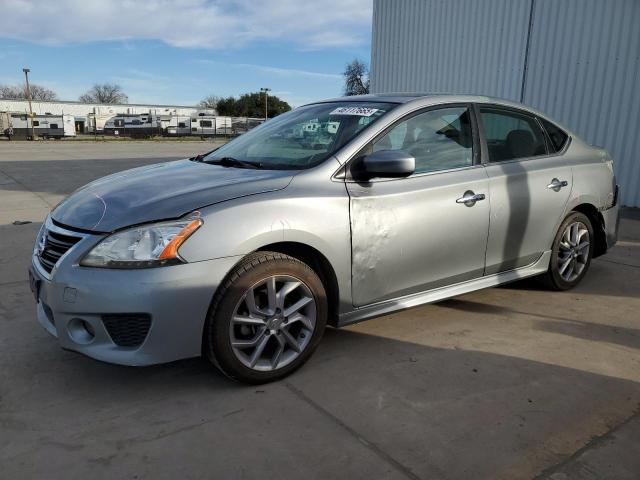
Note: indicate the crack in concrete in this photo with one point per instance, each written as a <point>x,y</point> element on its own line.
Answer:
<point>406,471</point>
<point>27,189</point>
<point>618,263</point>
<point>593,443</point>
<point>14,282</point>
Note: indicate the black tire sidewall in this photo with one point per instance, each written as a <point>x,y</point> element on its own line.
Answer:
<point>554,275</point>
<point>217,339</point>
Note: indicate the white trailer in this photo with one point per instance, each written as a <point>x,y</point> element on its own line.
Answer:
<point>43,126</point>
<point>135,126</point>
<point>178,126</point>
<point>4,122</point>
<point>204,126</point>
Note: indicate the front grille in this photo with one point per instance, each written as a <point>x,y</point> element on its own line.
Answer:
<point>55,246</point>
<point>129,329</point>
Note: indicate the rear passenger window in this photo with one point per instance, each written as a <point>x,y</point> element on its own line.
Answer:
<point>511,135</point>
<point>438,139</point>
<point>557,136</point>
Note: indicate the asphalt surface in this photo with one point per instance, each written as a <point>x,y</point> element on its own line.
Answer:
<point>506,383</point>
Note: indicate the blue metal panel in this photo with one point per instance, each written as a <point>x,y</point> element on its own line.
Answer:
<point>582,63</point>
<point>459,46</point>
<point>584,70</point>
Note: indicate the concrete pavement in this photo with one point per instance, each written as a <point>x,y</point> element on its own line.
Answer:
<point>506,383</point>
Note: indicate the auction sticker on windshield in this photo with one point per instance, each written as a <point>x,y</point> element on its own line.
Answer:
<point>359,111</point>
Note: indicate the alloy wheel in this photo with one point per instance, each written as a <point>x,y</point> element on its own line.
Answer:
<point>573,254</point>
<point>273,323</point>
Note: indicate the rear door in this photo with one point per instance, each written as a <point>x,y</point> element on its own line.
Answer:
<point>529,185</point>
<point>414,234</point>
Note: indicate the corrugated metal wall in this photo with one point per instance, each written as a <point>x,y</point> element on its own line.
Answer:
<point>582,64</point>
<point>584,71</point>
<point>421,45</point>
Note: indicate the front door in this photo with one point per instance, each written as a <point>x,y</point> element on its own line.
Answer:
<point>430,229</point>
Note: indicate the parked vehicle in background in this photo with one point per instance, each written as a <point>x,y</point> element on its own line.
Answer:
<point>210,125</point>
<point>5,122</point>
<point>332,213</point>
<point>178,126</point>
<point>203,125</point>
<point>44,126</point>
<point>133,125</point>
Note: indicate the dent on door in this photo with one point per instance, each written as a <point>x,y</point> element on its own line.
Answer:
<point>374,228</point>
<point>413,235</point>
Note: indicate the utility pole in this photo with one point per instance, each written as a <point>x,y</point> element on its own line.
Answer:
<point>26,76</point>
<point>266,96</point>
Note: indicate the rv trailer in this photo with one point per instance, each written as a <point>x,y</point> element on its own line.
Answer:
<point>44,126</point>
<point>179,126</point>
<point>133,125</point>
<point>205,125</point>
<point>4,122</point>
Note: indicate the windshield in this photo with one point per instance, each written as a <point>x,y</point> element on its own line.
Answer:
<point>301,138</point>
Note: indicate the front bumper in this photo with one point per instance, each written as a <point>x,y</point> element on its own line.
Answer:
<point>176,298</point>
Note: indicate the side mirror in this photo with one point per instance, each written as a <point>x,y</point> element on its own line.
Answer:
<point>389,163</point>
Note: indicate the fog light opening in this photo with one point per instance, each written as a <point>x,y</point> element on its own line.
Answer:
<point>81,331</point>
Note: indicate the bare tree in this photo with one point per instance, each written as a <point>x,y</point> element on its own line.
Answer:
<point>209,102</point>
<point>19,92</point>
<point>39,92</point>
<point>105,93</point>
<point>356,78</point>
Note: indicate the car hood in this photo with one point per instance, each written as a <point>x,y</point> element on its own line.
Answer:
<point>161,191</point>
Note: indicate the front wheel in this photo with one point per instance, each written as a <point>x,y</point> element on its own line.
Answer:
<point>266,319</point>
<point>571,252</point>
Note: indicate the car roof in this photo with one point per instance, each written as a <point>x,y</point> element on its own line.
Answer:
<point>406,97</point>
<point>427,99</point>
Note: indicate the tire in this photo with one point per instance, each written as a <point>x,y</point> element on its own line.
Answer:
<point>264,339</point>
<point>557,277</point>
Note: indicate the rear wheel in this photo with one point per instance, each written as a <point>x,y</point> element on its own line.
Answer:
<point>266,319</point>
<point>571,253</point>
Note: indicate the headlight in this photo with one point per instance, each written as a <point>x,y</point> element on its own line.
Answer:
<point>141,247</point>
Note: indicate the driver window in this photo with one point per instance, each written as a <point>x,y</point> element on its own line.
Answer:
<point>438,139</point>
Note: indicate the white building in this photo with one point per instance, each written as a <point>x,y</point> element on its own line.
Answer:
<point>578,61</point>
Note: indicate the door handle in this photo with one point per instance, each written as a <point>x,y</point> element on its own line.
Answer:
<point>469,198</point>
<point>557,184</point>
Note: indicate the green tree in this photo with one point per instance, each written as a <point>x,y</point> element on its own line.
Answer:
<point>251,105</point>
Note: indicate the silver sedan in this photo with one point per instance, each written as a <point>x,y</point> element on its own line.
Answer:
<point>333,213</point>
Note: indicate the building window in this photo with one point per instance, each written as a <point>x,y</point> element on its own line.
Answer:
<point>36,123</point>
<point>206,123</point>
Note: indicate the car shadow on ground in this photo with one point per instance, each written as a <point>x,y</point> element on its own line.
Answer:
<point>420,405</point>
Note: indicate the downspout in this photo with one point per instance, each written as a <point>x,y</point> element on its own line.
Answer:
<point>526,52</point>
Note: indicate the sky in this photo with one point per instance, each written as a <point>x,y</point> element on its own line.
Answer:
<point>180,51</point>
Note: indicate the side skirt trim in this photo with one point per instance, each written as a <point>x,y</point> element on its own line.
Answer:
<point>391,306</point>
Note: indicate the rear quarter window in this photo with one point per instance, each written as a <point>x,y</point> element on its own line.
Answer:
<point>557,136</point>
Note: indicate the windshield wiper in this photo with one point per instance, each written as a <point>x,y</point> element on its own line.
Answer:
<point>234,162</point>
